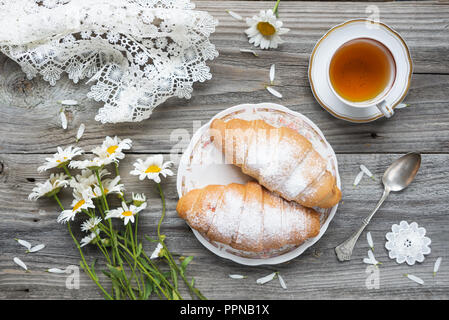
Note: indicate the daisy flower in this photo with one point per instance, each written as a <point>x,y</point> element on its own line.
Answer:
<point>109,186</point>
<point>111,149</point>
<point>88,239</point>
<point>139,199</point>
<point>50,187</point>
<point>151,168</point>
<point>60,158</point>
<point>91,224</point>
<point>81,202</point>
<point>87,179</point>
<point>265,30</point>
<point>125,212</point>
<point>91,164</point>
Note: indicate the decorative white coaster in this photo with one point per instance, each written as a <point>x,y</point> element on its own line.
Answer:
<point>407,243</point>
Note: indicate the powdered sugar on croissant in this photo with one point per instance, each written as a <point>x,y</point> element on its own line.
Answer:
<point>248,217</point>
<point>281,160</point>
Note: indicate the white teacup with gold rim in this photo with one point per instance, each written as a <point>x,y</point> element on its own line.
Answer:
<point>361,73</point>
<point>360,105</point>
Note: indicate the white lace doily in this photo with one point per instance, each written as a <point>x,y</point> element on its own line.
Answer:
<point>137,53</point>
<point>407,243</point>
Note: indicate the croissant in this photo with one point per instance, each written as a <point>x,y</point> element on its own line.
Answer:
<point>281,159</point>
<point>247,217</point>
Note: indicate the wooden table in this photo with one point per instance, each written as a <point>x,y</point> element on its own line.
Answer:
<point>30,130</point>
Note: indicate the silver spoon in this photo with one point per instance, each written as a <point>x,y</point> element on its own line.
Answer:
<point>396,178</point>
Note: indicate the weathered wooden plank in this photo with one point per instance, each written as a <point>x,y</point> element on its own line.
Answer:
<point>315,274</point>
<point>424,126</point>
<point>240,78</point>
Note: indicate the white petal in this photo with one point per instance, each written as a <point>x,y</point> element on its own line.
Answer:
<point>368,261</point>
<point>63,120</point>
<point>436,267</point>
<point>415,278</point>
<point>366,171</point>
<point>402,105</point>
<point>266,279</point>
<point>80,132</point>
<point>274,92</point>
<point>370,240</point>
<point>272,73</point>
<point>234,15</point>
<point>237,276</point>
<point>56,270</point>
<point>20,263</point>
<point>24,243</point>
<point>69,102</point>
<point>249,51</point>
<point>371,255</point>
<point>358,178</point>
<point>282,282</point>
<point>156,251</point>
<point>37,248</point>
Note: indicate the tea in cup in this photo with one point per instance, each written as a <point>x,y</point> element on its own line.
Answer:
<point>361,73</point>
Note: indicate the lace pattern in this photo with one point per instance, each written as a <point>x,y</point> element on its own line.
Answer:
<point>136,53</point>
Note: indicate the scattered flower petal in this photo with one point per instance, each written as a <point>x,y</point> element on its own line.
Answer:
<point>156,251</point>
<point>249,51</point>
<point>56,270</point>
<point>80,132</point>
<point>436,267</point>
<point>274,92</point>
<point>36,248</point>
<point>236,16</point>
<point>358,178</point>
<point>415,278</point>
<point>272,73</point>
<point>370,240</point>
<point>282,282</point>
<point>20,263</point>
<point>266,279</point>
<point>24,243</point>
<point>402,105</point>
<point>366,171</point>
<point>69,102</point>
<point>63,120</point>
<point>237,276</point>
<point>371,259</point>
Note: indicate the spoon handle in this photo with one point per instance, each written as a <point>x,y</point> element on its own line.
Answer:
<point>344,250</point>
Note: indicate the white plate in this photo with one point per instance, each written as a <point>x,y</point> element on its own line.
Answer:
<point>331,41</point>
<point>202,165</point>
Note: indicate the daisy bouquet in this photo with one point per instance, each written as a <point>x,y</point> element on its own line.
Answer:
<point>133,273</point>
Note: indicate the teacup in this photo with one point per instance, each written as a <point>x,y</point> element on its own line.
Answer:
<point>361,72</point>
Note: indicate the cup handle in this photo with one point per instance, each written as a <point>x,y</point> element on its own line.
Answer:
<point>385,109</point>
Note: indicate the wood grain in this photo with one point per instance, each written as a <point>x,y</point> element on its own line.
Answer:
<point>315,274</point>
<point>30,130</point>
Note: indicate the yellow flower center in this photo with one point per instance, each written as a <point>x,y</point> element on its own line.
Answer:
<point>106,191</point>
<point>266,29</point>
<point>111,149</point>
<point>59,161</point>
<point>127,213</point>
<point>79,204</point>
<point>153,169</point>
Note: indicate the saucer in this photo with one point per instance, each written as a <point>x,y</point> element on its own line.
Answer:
<point>331,41</point>
<point>201,164</point>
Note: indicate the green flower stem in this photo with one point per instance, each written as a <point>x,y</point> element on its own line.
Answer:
<point>170,259</point>
<point>161,193</point>
<point>55,196</point>
<point>86,266</point>
<point>106,208</point>
<point>94,278</point>
<point>64,166</point>
<point>144,270</point>
<point>275,9</point>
